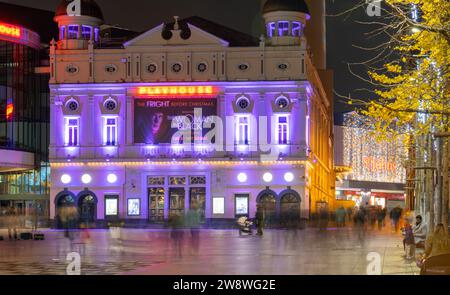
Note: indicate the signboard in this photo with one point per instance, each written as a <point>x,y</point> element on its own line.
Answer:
<point>111,206</point>
<point>153,118</point>
<point>219,205</point>
<point>10,30</point>
<point>241,205</point>
<point>177,91</point>
<point>134,207</point>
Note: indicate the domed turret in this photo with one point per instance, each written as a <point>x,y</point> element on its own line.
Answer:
<point>286,5</point>
<point>285,21</point>
<point>78,25</point>
<point>88,8</point>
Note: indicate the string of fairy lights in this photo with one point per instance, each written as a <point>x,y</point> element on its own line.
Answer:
<point>371,160</point>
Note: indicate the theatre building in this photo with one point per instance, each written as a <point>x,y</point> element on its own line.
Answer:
<point>189,114</point>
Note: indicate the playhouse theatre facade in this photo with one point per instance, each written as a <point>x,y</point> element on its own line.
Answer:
<point>189,114</point>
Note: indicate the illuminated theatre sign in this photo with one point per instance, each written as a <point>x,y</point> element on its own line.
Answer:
<point>159,108</point>
<point>10,30</point>
<point>176,91</point>
<point>15,34</point>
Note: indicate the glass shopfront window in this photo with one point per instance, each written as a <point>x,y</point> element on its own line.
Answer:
<point>24,101</point>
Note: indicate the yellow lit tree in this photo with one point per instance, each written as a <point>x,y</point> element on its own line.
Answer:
<point>412,89</point>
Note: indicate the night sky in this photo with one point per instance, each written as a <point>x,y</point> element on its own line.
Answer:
<point>244,15</point>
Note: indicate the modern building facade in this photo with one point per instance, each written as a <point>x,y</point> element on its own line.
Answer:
<point>370,172</point>
<point>189,114</point>
<point>24,111</point>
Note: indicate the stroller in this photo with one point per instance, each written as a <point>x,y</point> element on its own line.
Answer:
<point>244,226</point>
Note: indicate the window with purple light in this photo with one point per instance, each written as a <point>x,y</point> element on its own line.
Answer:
<point>86,32</point>
<point>283,28</point>
<point>96,34</point>
<point>271,29</point>
<point>71,131</point>
<point>62,33</point>
<point>283,130</point>
<point>110,131</point>
<point>72,32</point>
<point>243,130</point>
<point>296,29</point>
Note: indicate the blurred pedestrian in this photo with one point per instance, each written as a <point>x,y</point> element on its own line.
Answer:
<point>259,218</point>
<point>360,224</point>
<point>340,216</point>
<point>177,235</point>
<point>193,222</point>
<point>349,213</point>
<point>12,220</point>
<point>323,218</point>
<point>395,215</point>
<point>381,216</point>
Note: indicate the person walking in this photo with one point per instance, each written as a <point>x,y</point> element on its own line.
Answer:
<point>360,225</point>
<point>340,216</point>
<point>193,222</point>
<point>395,215</point>
<point>12,223</point>
<point>259,217</point>
<point>381,215</point>
<point>323,218</point>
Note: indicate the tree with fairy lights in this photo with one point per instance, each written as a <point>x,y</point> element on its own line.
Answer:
<point>410,75</point>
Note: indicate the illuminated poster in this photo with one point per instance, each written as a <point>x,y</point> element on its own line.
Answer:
<point>153,117</point>
<point>218,205</point>
<point>241,205</point>
<point>111,205</point>
<point>134,207</point>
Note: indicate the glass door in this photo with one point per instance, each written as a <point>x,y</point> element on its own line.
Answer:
<point>198,200</point>
<point>156,204</point>
<point>176,201</point>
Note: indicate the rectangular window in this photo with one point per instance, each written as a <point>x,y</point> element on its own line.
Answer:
<point>72,32</point>
<point>283,130</point>
<point>72,131</point>
<point>283,28</point>
<point>243,130</point>
<point>110,131</point>
<point>86,32</point>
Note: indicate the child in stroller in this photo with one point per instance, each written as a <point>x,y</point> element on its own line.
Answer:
<point>244,225</point>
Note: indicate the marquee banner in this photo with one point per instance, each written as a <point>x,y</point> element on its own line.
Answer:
<point>153,117</point>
